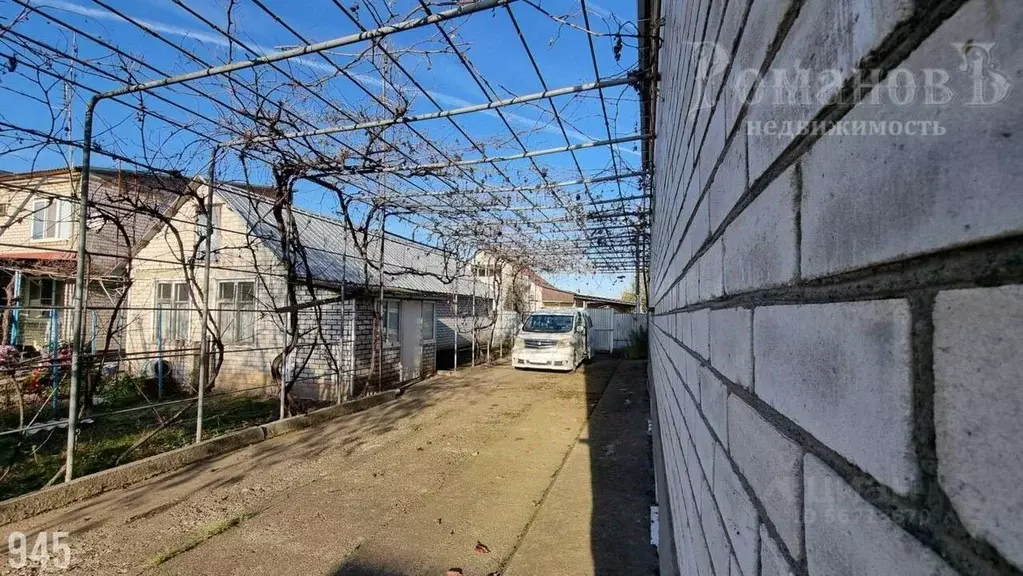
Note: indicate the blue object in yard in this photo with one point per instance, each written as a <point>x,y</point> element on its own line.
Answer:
<point>95,329</point>
<point>16,309</point>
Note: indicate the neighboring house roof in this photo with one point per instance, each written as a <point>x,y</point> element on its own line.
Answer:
<point>93,170</point>
<point>603,300</point>
<point>556,295</point>
<point>409,266</point>
<point>548,292</point>
<point>551,293</point>
<point>537,279</point>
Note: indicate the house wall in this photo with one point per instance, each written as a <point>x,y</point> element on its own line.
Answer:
<point>447,321</point>
<point>246,364</point>
<point>336,348</point>
<point>115,199</point>
<point>369,375</point>
<point>532,293</point>
<point>429,366</point>
<point>107,244</point>
<point>836,336</point>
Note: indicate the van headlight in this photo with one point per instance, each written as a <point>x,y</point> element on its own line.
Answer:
<point>564,343</point>
<point>520,343</point>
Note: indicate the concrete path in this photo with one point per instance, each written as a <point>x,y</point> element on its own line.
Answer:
<point>490,470</point>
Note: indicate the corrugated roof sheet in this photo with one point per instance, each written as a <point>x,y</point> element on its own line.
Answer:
<point>408,266</point>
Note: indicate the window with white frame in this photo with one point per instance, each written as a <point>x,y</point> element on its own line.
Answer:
<point>51,219</point>
<point>173,309</point>
<point>429,320</point>
<point>391,322</point>
<point>236,310</point>
<point>43,295</point>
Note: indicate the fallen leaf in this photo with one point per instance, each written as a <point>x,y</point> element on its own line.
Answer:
<point>481,548</point>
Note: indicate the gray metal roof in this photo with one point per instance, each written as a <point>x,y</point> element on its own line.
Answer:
<point>408,266</point>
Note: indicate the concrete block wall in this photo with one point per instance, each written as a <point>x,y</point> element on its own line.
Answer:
<point>837,319</point>
<point>324,350</point>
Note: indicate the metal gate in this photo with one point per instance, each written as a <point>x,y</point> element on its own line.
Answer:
<point>612,330</point>
<point>625,325</point>
<point>602,333</point>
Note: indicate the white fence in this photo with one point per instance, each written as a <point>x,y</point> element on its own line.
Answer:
<point>613,330</point>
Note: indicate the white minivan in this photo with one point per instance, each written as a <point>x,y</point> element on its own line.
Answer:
<point>554,339</point>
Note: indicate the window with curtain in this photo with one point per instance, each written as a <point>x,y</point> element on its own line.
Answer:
<point>172,310</point>
<point>236,310</point>
<point>429,320</point>
<point>51,219</point>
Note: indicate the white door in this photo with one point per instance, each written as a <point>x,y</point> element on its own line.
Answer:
<point>411,339</point>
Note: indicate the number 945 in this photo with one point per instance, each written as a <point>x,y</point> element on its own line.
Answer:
<point>49,548</point>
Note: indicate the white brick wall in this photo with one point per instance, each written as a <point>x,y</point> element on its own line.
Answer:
<point>738,514</point>
<point>836,334</point>
<point>731,344</point>
<point>772,465</point>
<point>730,182</point>
<point>934,192</point>
<point>826,35</point>
<point>772,562</point>
<point>978,407</point>
<point>838,369</point>
<point>846,535</point>
<point>760,246</point>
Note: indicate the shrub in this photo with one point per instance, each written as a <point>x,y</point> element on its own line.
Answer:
<point>638,342</point>
<point>124,388</point>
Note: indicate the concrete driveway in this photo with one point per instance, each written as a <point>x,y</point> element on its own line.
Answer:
<point>489,470</point>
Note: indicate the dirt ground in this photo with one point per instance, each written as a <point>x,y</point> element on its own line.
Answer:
<point>490,470</point>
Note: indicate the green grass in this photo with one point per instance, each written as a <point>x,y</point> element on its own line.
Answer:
<point>99,445</point>
<point>199,537</point>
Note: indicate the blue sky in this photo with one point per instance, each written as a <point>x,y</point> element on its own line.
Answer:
<point>488,40</point>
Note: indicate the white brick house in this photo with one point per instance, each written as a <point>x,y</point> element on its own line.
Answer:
<point>39,237</point>
<point>248,287</point>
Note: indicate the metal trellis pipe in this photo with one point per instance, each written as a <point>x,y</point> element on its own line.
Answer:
<point>78,314</point>
<point>311,48</point>
<point>204,353</point>
<point>344,278</point>
<point>418,168</point>
<point>473,363</point>
<point>610,83</point>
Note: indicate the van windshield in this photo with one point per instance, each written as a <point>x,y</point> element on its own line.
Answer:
<point>548,323</point>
